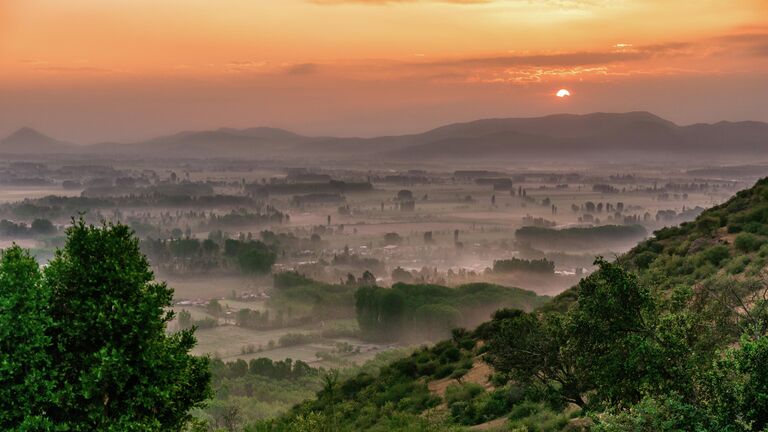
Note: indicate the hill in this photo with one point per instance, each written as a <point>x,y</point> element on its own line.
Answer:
<point>222,143</point>
<point>597,137</point>
<point>671,336</point>
<point>29,141</point>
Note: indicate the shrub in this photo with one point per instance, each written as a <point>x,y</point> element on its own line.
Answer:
<point>450,355</point>
<point>747,242</point>
<point>462,392</point>
<point>444,371</point>
<point>524,409</point>
<point>715,254</point>
<point>458,373</point>
<point>428,368</point>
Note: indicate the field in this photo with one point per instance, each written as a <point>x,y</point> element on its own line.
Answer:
<point>426,224</point>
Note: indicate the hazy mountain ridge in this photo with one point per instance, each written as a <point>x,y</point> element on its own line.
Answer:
<point>591,136</point>
<point>28,140</point>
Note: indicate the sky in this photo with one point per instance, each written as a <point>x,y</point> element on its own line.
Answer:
<point>122,70</point>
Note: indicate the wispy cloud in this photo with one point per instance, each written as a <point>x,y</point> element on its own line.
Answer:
<point>302,69</point>
<point>623,53</point>
<point>753,42</point>
<point>245,65</point>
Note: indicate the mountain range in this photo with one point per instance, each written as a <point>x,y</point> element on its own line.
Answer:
<point>597,136</point>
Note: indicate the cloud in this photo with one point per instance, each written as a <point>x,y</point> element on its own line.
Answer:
<point>71,69</point>
<point>302,69</point>
<point>245,65</point>
<point>761,50</point>
<point>753,43</point>
<point>570,59</point>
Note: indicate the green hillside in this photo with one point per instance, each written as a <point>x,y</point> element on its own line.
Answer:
<point>670,336</point>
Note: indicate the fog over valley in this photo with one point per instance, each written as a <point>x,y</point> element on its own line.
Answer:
<point>383,215</point>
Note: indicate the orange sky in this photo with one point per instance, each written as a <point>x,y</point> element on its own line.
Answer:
<point>91,70</point>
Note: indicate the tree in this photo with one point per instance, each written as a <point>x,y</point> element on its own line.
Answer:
<point>612,343</point>
<point>115,364</point>
<point>42,226</point>
<point>214,308</point>
<point>26,384</point>
<point>611,329</point>
<point>368,278</point>
<point>532,348</point>
<point>255,258</point>
<point>185,319</point>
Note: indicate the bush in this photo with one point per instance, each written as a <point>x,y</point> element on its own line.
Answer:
<point>738,265</point>
<point>524,409</point>
<point>293,339</point>
<point>644,259</point>
<point>747,242</point>
<point>428,368</point>
<point>444,371</point>
<point>462,392</point>
<point>450,355</point>
<point>458,373</point>
<point>715,254</point>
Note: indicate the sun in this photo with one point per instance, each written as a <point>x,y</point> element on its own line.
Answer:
<point>562,93</point>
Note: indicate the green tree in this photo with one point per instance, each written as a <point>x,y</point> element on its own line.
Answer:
<point>529,348</point>
<point>115,364</point>
<point>26,384</point>
<point>611,330</point>
<point>185,319</point>
<point>42,226</point>
<point>256,258</point>
<point>214,308</point>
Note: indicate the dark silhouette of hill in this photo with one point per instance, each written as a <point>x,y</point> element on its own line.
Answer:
<point>597,136</point>
<point>224,142</point>
<point>29,141</point>
<point>591,136</point>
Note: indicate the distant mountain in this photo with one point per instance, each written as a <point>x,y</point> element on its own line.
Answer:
<point>592,136</point>
<point>29,141</point>
<point>224,142</point>
<point>597,136</point>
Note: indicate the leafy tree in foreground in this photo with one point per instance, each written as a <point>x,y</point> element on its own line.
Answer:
<point>115,366</point>
<point>529,348</point>
<point>611,331</point>
<point>25,378</point>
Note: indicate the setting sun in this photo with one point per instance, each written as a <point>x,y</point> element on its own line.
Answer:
<point>562,93</point>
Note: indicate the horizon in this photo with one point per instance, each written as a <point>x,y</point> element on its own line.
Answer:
<point>127,71</point>
<point>226,128</point>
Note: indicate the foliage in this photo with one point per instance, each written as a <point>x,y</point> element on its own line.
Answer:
<point>96,352</point>
<point>300,298</point>
<point>516,264</point>
<point>431,311</point>
<point>579,237</point>
<point>26,381</point>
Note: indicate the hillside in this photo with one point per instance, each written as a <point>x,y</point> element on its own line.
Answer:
<point>593,136</point>
<point>597,136</point>
<point>224,142</point>
<point>671,336</point>
<point>29,141</point>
